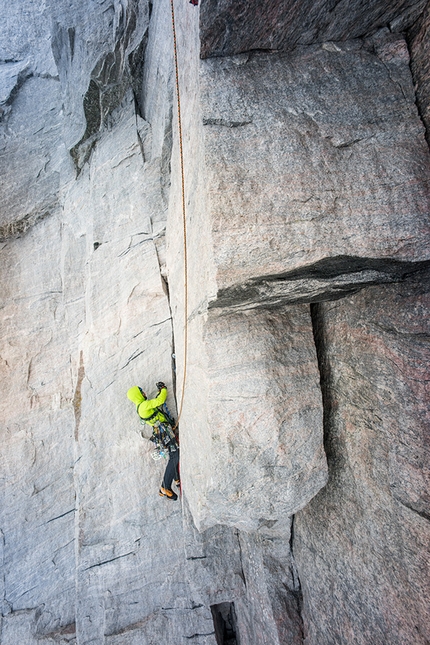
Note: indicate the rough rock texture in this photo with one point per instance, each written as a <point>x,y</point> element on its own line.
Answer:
<point>260,427</point>
<point>228,28</point>
<point>306,196</point>
<point>341,165</point>
<point>240,415</point>
<point>419,36</point>
<point>127,316</point>
<point>368,530</point>
<point>83,300</point>
<point>306,176</point>
<point>51,56</point>
<point>342,202</point>
<point>38,499</point>
<point>97,50</point>
<point>260,579</point>
<point>32,151</point>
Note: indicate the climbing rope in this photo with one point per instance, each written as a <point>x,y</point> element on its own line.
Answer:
<point>184,215</point>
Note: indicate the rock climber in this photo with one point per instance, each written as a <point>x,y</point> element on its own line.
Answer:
<point>154,413</point>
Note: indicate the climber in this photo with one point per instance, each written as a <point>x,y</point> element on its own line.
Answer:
<point>154,412</point>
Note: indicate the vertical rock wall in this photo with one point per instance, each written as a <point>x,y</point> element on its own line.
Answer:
<point>306,179</point>
<point>88,552</point>
<point>419,38</point>
<point>37,459</point>
<point>316,185</point>
<point>32,150</point>
<point>367,532</point>
<point>229,28</point>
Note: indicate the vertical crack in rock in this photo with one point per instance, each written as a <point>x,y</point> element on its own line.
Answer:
<point>5,606</point>
<point>136,61</point>
<point>82,150</point>
<point>242,572</point>
<point>166,155</point>
<point>77,397</point>
<point>71,34</point>
<point>225,623</point>
<point>418,41</point>
<point>143,130</point>
<point>297,588</point>
<point>323,367</point>
<point>165,284</point>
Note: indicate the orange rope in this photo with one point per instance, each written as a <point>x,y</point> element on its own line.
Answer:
<point>184,216</point>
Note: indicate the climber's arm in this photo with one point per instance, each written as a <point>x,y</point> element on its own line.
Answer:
<point>159,399</point>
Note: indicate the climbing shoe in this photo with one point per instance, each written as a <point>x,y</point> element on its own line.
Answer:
<point>166,492</point>
<point>178,482</point>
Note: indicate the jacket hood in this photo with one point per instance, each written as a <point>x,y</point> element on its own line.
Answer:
<point>135,395</point>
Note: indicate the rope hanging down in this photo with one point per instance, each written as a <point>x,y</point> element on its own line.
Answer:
<point>184,216</point>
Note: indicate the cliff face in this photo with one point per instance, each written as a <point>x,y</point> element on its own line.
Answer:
<point>304,430</point>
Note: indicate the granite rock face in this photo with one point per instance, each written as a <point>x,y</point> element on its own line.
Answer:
<point>64,69</point>
<point>316,184</point>
<point>317,188</point>
<point>368,530</point>
<point>38,498</point>
<point>419,38</point>
<point>304,458</point>
<point>96,50</point>
<point>252,450</point>
<point>32,151</point>
<point>228,28</point>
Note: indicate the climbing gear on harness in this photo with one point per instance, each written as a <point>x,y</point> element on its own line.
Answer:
<point>165,441</point>
<point>157,454</point>
<point>166,492</point>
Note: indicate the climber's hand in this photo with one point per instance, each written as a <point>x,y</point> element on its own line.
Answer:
<point>160,385</point>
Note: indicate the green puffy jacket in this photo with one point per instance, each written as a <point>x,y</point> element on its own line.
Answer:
<point>148,407</point>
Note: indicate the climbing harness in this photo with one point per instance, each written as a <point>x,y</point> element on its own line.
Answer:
<point>165,441</point>
<point>153,415</point>
<point>184,215</point>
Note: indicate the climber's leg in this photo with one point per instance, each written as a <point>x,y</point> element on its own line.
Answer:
<point>171,471</point>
